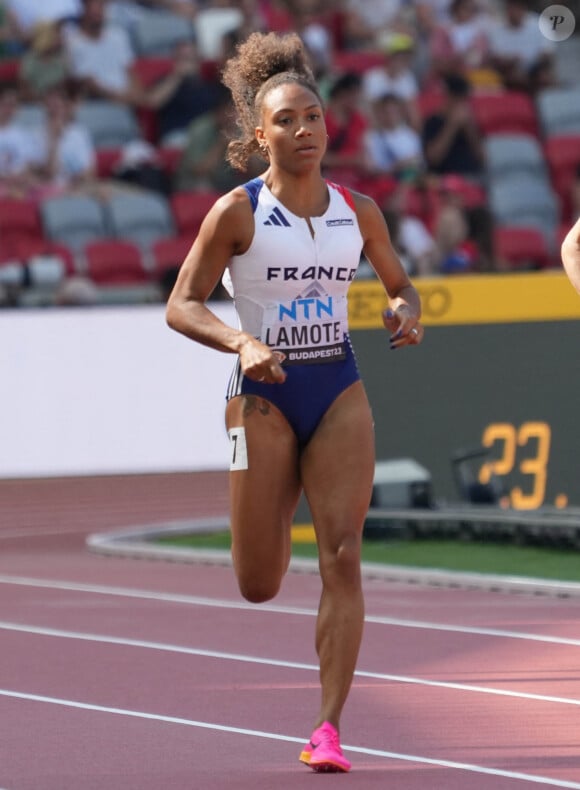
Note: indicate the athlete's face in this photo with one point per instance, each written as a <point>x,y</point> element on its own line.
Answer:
<point>293,129</point>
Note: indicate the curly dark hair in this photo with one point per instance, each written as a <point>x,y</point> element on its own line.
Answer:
<point>262,62</point>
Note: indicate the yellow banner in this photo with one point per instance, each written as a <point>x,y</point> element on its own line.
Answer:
<point>474,299</point>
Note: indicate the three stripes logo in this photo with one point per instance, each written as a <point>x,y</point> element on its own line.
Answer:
<point>277,218</point>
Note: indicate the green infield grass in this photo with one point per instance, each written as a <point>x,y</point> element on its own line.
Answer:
<point>542,562</point>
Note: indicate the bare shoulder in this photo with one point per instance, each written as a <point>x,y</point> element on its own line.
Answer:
<point>370,218</point>
<point>231,218</point>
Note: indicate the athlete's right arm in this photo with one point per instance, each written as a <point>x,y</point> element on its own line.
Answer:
<point>571,255</point>
<point>227,230</point>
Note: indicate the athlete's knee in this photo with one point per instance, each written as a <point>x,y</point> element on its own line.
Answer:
<point>341,562</point>
<point>258,590</point>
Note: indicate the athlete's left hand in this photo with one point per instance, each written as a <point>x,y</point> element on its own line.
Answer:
<point>404,327</point>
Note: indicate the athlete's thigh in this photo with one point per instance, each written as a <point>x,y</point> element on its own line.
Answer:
<point>264,480</point>
<point>338,468</point>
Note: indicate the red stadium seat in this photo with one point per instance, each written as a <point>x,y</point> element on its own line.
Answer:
<point>359,62</point>
<point>19,219</point>
<point>10,71</point>
<point>506,111</point>
<point>521,247</point>
<point>169,253</point>
<point>107,158</point>
<point>562,154</point>
<point>189,210</point>
<point>150,70</point>
<point>169,157</point>
<point>112,262</point>
<point>26,248</point>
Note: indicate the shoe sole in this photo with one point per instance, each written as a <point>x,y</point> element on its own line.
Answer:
<point>328,768</point>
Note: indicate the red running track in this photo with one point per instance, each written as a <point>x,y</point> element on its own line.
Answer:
<point>121,674</point>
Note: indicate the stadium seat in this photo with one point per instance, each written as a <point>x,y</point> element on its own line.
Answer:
<point>139,217</point>
<point>358,62</point>
<point>106,159</point>
<point>528,201</point>
<point>521,247</point>
<point>508,155</point>
<point>505,111</point>
<point>169,253</point>
<point>563,157</point>
<point>19,219</point>
<point>25,249</point>
<point>189,210</point>
<point>9,71</point>
<point>156,33</point>
<point>559,111</point>
<point>169,157</point>
<point>110,125</point>
<point>114,262</point>
<point>149,70</point>
<point>73,220</point>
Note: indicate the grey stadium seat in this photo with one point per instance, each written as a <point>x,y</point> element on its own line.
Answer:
<point>140,217</point>
<point>73,220</point>
<point>559,110</point>
<point>507,155</point>
<point>110,125</point>
<point>525,201</point>
<point>156,33</point>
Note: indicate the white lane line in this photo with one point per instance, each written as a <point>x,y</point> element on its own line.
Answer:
<point>192,600</point>
<point>479,769</point>
<point>272,662</point>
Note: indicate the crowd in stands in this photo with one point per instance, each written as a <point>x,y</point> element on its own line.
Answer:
<point>452,114</point>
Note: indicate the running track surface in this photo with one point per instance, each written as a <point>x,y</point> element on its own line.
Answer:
<point>141,674</point>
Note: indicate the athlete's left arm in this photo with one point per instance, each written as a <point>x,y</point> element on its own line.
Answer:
<point>402,316</point>
<point>571,255</point>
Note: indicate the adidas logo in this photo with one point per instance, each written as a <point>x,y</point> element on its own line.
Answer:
<point>277,218</point>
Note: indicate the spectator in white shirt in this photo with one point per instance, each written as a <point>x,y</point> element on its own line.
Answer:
<point>393,146</point>
<point>518,49</point>
<point>395,76</point>
<point>63,152</point>
<point>16,179</point>
<point>28,13</point>
<point>101,56</point>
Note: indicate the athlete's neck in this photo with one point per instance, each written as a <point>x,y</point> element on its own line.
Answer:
<point>304,197</point>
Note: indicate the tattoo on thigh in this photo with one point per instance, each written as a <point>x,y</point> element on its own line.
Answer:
<point>253,403</point>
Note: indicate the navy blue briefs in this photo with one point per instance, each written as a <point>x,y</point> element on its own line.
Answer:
<point>306,394</point>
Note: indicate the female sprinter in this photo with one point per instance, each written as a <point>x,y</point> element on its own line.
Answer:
<point>288,244</point>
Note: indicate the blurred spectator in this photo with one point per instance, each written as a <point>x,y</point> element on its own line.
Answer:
<point>451,140</point>
<point>28,13</point>
<point>411,239</point>
<point>461,43</point>
<point>140,166</point>
<point>203,164</point>
<point>11,43</point>
<point>77,291</point>
<point>393,147</point>
<point>186,8</point>
<point>63,156</point>
<point>100,56</point>
<point>395,75</point>
<point>463,227</point>
<point>16,178</point>
<point>212,21</point>
<point>308,23</point>
<point>364,22</point>
<point>183,95</point>
<point>346,158</point>
<point>45,64</point>
<point>519,51</point>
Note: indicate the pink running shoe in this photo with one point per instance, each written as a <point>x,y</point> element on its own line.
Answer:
<point>323,753</point>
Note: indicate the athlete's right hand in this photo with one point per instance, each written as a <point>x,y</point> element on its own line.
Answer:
<point>260,363</point>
